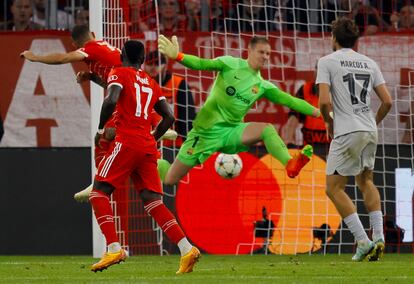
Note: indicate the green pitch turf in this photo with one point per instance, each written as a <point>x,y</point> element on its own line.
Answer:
<point>211,269</point>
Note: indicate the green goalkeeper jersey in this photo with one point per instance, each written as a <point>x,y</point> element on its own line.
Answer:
<point>236,88</point>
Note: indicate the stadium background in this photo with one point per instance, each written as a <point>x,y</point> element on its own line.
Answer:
<point>45,154</point>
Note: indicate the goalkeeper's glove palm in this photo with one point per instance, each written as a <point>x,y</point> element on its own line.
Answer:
<point>167,47</point>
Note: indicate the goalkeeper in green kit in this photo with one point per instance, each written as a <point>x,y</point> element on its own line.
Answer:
<point>219,126</point>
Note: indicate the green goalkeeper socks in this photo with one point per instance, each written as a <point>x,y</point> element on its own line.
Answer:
<point>307,151</point>
<point>275,145</point>
<point>163,166</point>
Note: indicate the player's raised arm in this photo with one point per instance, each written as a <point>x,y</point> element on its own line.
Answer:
<point>171,49</point>
<point>53,58</point>
<point>279,97</point>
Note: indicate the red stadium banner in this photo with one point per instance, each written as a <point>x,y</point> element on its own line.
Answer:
<point>43,106</point>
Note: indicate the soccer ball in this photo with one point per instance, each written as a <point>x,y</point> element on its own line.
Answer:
<point>228,166</point>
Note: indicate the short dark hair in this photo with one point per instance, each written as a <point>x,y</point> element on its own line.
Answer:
<point>134,51</point>
<point>345,32</point>
<point>80,33</point>
<point>155,58</point>
<point>258,39</point>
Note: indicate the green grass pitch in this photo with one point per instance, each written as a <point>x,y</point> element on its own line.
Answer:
<point>211,269</point>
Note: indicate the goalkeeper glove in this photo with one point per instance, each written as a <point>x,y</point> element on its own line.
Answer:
<point>167,47</point>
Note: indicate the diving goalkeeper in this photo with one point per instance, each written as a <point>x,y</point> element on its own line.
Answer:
<point>219,126</point>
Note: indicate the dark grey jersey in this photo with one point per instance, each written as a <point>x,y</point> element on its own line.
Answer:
<point>352,77</point>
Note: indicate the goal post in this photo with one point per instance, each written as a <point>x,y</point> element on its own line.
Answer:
<point>96,98</point>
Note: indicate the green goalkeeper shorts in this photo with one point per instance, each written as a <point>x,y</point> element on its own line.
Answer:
<point>202,143</point>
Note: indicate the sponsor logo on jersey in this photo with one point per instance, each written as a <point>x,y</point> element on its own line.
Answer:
<point>240,98</point>
<point>230,91</point>
<point>112,78</point>
<point>360,110</point>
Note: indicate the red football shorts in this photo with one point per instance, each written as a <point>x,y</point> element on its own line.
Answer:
<point>105,145</point>
<point>101,151</point>
<point>122,161</point>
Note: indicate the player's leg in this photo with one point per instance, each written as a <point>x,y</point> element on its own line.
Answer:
<point>335,189</point>
<point>372,203</point>
<point>195,150</point>
<point>83,195</point>
<point>372,199</point>
<point>112,173</point>
<point>344,161</point>
<point>165,219</point>
<point>100,201</point>
<point>259,131</point>
<point>105,144</point>
<point>146,177</point>
<point>172,174</point>
<point>100,152</point>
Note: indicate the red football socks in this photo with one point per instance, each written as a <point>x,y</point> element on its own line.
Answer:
<point>104,215</point>
<point>165,219</point>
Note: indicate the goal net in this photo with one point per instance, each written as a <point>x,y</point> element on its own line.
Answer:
<point>263,211</point>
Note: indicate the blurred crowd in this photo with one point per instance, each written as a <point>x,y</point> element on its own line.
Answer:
<point>177,16</point>
<point>27,15</point>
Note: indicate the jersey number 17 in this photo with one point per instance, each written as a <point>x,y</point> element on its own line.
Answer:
<point>350,78</point>
<point>142,90</point>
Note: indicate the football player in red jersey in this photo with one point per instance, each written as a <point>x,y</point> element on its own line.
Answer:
<point>101,57</point>
<point>133,95</point>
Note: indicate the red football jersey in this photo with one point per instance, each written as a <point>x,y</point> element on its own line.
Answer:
<point>136,102</point>
<point>101,57</point>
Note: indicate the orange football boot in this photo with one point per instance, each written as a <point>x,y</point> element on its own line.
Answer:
<point>188,261</point>
<point>109,259</point>
<point>295,164</point>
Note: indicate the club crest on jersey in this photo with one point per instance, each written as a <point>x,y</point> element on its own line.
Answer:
<point>190,151</point>
<point>230,91</point>
<point>112,78</point>
<point>255,89</point>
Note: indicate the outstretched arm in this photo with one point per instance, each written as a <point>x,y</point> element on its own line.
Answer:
<point>53,58</point>
<point>171,50</point>
<point>279,97</point>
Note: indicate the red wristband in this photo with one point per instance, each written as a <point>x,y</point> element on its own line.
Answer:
<point>180,56</point>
